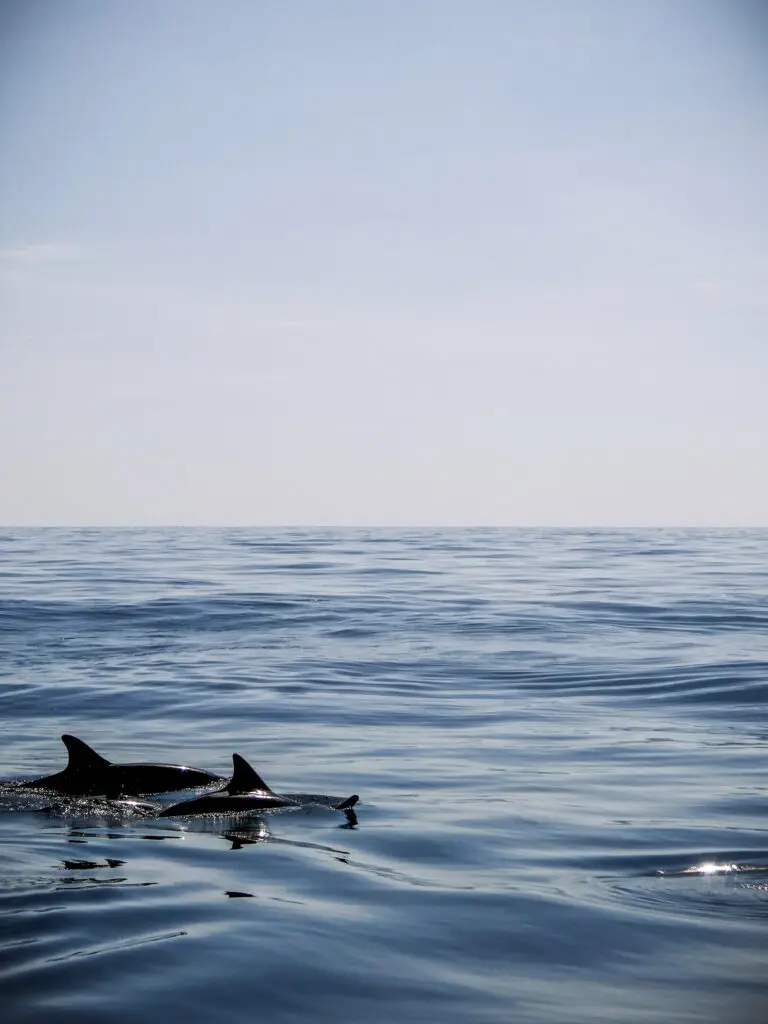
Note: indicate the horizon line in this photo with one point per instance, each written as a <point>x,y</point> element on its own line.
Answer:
<point>378,526</point>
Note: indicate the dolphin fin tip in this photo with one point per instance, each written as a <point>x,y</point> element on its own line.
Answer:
<point>348,804</point>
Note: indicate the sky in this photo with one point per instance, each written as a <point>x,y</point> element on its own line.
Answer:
<point>384,262</point>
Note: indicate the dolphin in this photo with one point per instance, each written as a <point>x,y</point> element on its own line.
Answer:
<point>89,774</point>
<point>247,791</point>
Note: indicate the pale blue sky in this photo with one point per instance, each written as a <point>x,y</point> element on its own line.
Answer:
<point>393,262</point>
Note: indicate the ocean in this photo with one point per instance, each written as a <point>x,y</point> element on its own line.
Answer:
<point>558,738</point>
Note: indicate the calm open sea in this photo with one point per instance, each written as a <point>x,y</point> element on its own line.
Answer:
<point>546,729</point>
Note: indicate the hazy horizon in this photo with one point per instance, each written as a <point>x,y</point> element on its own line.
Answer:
<point>418,264</point>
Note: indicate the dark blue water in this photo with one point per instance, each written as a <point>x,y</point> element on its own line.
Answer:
<point>548,730</point>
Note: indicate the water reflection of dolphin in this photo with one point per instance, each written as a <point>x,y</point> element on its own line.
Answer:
<point>247,791</point>
<point>90,774</point>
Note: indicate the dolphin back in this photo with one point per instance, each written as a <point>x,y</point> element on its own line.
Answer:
<point>89,774</point>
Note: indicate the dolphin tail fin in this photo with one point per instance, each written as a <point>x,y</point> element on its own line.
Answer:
<point>348,804</point>
<point>244,778</point>
<point>81,756</point>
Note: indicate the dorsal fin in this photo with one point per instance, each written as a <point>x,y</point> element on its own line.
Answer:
<point>244,778</point>
<point>81,756</point>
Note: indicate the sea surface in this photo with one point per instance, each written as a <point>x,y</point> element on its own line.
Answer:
<point>558,737</point>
